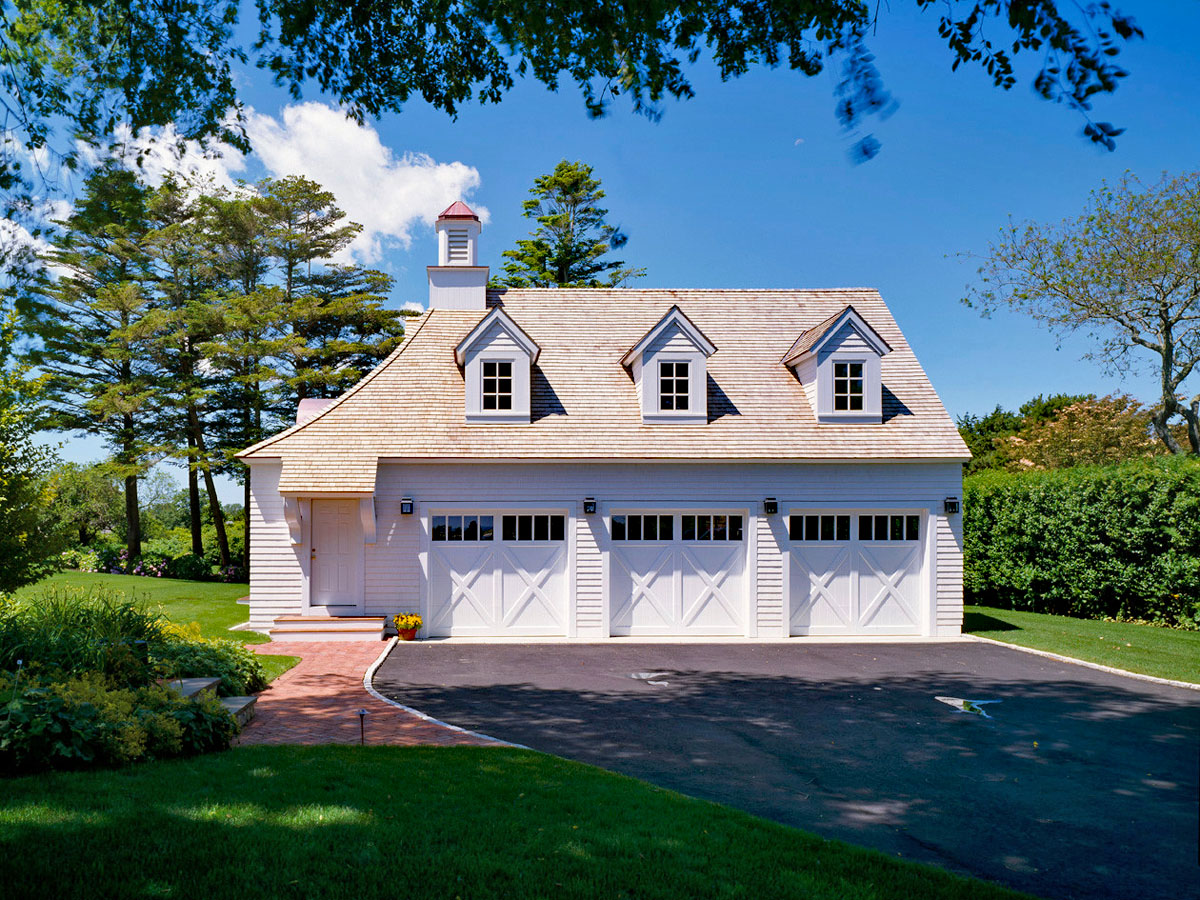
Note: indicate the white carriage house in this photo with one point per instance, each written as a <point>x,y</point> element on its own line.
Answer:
<point>595,463</point>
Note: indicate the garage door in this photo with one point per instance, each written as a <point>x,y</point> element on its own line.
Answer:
<point>855,572</point>
<point>496,572</point>
<point>674,573</point>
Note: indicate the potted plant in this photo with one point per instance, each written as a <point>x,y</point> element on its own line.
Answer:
<point>407,625</point>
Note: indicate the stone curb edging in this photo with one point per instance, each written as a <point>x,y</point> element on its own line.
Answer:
<point>369,687</point>
<point>1083,662</point>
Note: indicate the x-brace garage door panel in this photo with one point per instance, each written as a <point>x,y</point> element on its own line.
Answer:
<point>845,582</point>
<point>498,587</point>
<point>677,586</point>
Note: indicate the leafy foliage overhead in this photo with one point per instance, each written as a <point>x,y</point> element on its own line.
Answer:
<point>94,67</point>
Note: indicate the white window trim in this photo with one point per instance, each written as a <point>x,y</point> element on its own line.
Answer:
<point>862,394</point>
<point>512,392</point>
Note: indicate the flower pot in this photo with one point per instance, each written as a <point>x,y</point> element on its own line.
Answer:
<point>408,634</point>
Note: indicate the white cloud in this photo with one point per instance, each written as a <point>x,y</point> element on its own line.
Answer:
<point>385,192</point>
<point>155,153</point>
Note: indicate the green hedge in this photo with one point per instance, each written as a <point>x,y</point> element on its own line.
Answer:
<point>1120,541</point>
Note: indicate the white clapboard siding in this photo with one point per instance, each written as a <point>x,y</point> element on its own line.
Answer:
<point>949,575</point>
<point>589,580</point>
<point>276,580</point>
<point>392,577</point>
<point>769,604</point>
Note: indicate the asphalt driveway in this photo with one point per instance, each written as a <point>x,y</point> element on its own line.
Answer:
<point>1079,784</point>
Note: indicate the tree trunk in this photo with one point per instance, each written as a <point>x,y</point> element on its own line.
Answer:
<point>194,497</point>
<point>214,502</point>
<point>133,518</point>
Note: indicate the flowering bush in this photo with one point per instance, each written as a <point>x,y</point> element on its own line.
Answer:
<point>82,559</point>
<point>234,574</point>
<point>407,621</point>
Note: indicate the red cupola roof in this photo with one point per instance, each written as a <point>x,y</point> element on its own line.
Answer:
<point>458,210</point>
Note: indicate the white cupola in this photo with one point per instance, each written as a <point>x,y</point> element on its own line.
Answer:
<point>457,281</point>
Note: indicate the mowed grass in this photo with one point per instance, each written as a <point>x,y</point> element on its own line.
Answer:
<point>416,822</point>
<point>1145,649</point>
<point>212,605</point>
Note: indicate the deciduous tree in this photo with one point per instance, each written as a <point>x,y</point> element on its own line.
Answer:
<point>1126,273</point>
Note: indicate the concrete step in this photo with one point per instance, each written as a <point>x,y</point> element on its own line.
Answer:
<point>190,687</point>
<point>328,628</point>
<point>241,708</point>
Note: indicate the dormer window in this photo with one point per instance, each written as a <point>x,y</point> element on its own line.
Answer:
<point>847,386</point>
<point>838,364</point>
<point>672,386</point>
<point>497,385</point>
<point>497,360</point>
<point>669,366</point>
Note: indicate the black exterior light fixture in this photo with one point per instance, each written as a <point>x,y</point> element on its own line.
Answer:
<point>406,506</point>
<point>362,727</point>
<point>589,506</point>
<point>950,505</point>
<point>770,506</point>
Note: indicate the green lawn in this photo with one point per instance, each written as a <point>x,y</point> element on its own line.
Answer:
<point>1164,652</point>
<point>390,822</point>
<point>213,605</point>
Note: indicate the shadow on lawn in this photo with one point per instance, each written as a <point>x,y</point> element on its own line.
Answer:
<point>977,621</point>
<point>1052,795</point>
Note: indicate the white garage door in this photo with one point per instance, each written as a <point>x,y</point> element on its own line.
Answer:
<point>855,572</point>
<point>677,573</point>
<point>494,573</point>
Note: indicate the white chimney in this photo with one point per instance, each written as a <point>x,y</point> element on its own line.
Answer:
<point>457,281</point>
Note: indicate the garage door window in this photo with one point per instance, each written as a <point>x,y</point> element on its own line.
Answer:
<point>889,528</point>
<point>533,528</point>
<point>462,528</point>
<point>819,528</point>
<point>712,528</point>
<point>643,528</point>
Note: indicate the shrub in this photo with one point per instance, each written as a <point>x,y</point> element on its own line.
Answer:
<point>190,567</point>
<point>82,559</point>
<point>183,653</point>
<point>76,631</point>
<point>1121,541</point>
<point>84,721</point>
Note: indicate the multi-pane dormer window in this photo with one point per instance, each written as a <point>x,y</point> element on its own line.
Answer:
<point>673,386</point>
<point>847,386</point>
<point>497,393</point>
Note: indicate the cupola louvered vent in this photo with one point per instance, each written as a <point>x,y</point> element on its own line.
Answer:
<point>457,247</point>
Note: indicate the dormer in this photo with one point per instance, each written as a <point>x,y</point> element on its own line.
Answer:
<point>837,362</point>
<point>669,365</point>
<point>496,359</point>
<point>458,281</point>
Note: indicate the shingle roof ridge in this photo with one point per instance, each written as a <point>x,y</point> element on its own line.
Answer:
<point>363,382</point>
<point>833,290</point>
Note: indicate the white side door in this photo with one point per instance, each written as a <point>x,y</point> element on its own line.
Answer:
<point>677,573</point>
<point>855,572</point>
<point>337,557</point>
<point>497,572</point>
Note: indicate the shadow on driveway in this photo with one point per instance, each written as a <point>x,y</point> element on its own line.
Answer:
<point>1081,784</point>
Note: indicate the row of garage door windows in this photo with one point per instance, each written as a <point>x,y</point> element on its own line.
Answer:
<point>835,528</point>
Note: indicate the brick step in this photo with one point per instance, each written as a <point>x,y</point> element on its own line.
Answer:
<point>298,634</point>
<point>241,708</point>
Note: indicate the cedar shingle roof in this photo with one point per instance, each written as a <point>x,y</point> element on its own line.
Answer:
<point>585,405</point>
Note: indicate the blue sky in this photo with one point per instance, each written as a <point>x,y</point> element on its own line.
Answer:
<point>750,185</point>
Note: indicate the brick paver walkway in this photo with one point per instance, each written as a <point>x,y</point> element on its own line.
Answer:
<point>317,701</point>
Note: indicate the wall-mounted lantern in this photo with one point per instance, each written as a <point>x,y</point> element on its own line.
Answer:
<point>950,505</point>
<point>589,506</point>
<point>406,506</point>
<point>770,506</point>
